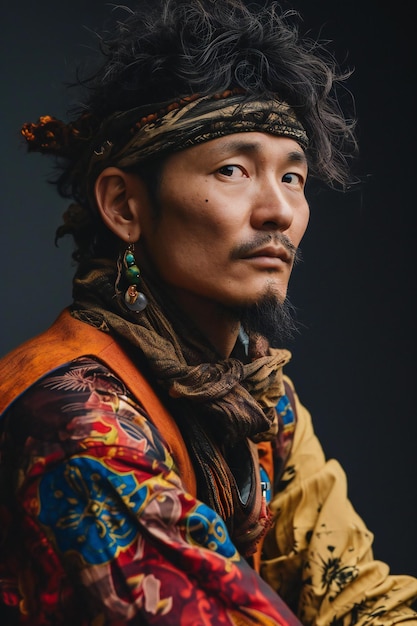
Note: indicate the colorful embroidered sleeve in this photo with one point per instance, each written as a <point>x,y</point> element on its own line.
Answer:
<point>318,555</point>
<point>104,532</point>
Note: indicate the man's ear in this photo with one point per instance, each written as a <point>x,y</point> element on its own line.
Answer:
<point>120,196</point>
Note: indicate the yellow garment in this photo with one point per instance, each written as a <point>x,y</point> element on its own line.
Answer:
<point>318,554</point>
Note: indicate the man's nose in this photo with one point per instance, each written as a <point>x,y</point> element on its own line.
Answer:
<point>272,208</point>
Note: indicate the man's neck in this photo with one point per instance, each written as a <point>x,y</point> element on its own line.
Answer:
<point>216,322</point>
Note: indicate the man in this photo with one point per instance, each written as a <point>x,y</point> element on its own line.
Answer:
<point>157,466</point>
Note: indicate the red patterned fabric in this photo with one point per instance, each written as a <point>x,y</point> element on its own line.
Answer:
<point>104,532</point>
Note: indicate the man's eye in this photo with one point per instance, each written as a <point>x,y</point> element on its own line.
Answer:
<point>292,178</point>
<point>230,170</point>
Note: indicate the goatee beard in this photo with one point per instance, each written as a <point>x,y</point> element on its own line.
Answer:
<point>270,318</point>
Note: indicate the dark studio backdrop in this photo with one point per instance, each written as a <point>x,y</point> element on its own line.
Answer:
<point>354,359</point>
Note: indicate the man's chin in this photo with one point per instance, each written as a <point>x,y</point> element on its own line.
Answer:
<point>271,316</point>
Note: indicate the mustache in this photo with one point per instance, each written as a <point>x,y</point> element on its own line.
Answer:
<point>265,239</point>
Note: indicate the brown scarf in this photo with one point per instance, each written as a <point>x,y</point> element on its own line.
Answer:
<point>220,405</point>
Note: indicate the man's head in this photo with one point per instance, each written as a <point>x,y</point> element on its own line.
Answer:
<point>195,140</point>
<point>166,51</point>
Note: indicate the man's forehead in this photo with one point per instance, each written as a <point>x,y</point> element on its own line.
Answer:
<point>254,143</point>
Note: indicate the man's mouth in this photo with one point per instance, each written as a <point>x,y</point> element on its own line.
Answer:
<point>271,252</point>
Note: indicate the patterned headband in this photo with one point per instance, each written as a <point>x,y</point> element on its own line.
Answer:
<point>191,121</point>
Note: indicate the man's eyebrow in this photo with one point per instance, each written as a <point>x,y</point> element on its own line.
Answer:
<point>297,156</point>
<point>252,147</point>
<point>238,145</point>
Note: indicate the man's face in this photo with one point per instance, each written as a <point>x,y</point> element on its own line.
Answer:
<point>232,213</point>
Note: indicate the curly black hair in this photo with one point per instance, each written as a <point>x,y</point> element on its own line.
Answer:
<point>168,49</point>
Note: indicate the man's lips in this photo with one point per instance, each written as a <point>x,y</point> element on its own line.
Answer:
<point>270,252</point>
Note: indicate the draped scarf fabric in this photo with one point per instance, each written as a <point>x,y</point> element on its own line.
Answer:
<point>221,405</point>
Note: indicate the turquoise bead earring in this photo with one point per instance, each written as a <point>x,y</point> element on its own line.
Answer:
<point>135,300</point>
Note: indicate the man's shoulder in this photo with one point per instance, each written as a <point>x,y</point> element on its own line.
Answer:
<point>65,340</point>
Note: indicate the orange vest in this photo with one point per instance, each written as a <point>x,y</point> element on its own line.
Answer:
<point>68,339</point>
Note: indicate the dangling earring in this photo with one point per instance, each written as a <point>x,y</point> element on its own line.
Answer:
<point>135,300</point>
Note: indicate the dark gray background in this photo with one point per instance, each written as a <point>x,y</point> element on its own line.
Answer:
<point>354,360</point>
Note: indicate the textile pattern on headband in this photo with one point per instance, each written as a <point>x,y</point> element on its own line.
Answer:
<point>195,120</point>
